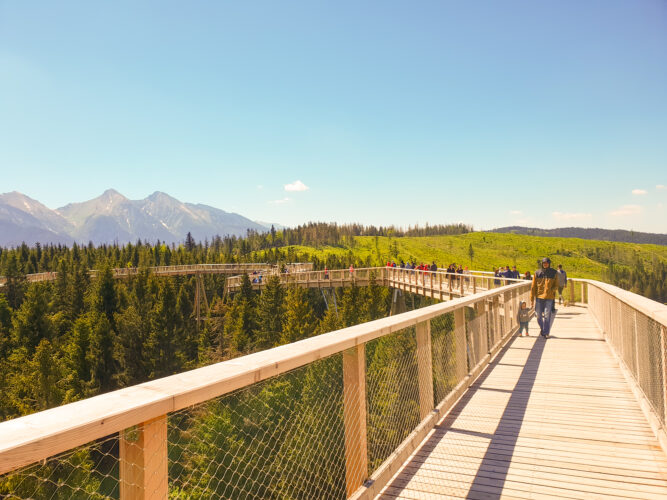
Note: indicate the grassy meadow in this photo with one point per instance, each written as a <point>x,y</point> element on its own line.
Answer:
<point>580,258</point>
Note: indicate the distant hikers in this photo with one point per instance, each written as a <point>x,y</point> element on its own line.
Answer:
<point>562,282</point>
<point>543,294</point>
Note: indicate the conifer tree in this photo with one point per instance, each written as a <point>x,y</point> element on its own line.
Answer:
<point>106,299</point>
<point>270,314</point>
<point>102,362</point>
<point>79,358</point>
<point>165,338</point>
<point>133,333</point>
<point>32,322</point>
<point>16,284</point>
<point>299,319</point>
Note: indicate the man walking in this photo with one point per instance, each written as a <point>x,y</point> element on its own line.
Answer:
<point>543,294</point>
<point>562,282</point>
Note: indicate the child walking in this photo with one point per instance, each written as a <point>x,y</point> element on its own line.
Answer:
<point>523,317</point>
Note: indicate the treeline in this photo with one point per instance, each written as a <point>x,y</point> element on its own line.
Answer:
<point>589,233</point>
<point>17,262</point>
<point>74,337</point>
<point>651,283</point>
<point>635,275</point>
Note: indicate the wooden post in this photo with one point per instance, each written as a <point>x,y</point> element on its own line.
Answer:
<point>572,301</point>
<point>663,350</point>
<point>497,324</point>
<point>197,301</point>
<point>636,336</point>
<point>474,285</point>
<point>143,461</point>
<point>354,415</point>
<point>582,293</point>
<point>461,336</point>
<point>507,306</point>
<point>425,368</point>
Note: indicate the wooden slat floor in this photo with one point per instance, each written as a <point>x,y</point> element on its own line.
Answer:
<point>549,419</point>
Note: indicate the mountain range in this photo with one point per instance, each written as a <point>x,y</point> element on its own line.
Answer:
<point>112,217</point>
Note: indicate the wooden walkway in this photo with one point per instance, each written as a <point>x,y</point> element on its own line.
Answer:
<point>548,419</point>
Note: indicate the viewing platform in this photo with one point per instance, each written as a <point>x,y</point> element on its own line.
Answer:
<point>443,401</point>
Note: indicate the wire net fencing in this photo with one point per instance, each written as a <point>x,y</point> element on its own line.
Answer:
<point>639,341</point>
<point>286,437</point>
<point>392,393</point>
<point>89,471</point>
<point>280,438</point>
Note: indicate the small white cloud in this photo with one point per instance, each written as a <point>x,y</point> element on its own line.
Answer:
<point>280,202</point>
<point>660,186</point>
<point>627,210</point>
<point>259,187</point>
<point>516,212</point>
<point>639,191</point>
<point>296,186</point>
<point>571,216</point>
<point>660,205</point>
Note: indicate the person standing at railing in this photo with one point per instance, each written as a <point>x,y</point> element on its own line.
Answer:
<point>562,282</point>
<point>543,295</point>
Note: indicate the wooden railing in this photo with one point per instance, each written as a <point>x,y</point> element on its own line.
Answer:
<point>437,284</point>
<point>186,269</point>
<point>141,410</point>
<point>636,330</point>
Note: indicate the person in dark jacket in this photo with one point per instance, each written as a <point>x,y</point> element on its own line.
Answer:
<point>543,294</point>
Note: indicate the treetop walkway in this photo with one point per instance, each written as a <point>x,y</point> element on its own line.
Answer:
<point>439,284</point>
<point>181,270</point>
<point>444,401</point>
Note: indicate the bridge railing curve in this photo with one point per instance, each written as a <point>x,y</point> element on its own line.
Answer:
<point>316,418</point>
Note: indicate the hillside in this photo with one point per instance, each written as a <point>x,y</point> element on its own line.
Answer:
<point>589,233</point>
<point>581,258</point>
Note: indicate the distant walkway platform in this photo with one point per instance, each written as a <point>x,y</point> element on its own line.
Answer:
<point>548,419</point>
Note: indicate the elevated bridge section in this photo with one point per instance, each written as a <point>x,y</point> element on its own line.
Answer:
<point>437,284</point>
<point>444,401</point>
<point>183,270</point>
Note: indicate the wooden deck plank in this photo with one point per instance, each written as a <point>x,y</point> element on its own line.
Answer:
<point>551,418</point>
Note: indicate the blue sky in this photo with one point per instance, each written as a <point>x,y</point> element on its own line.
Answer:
<point>545,114</point>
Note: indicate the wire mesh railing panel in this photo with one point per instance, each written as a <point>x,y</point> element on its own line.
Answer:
<point>651,362</point>
<point>448,348</point>
<point>637,339</point>
<point>392,393</point>
<point>280,438</point>
<point>86,472</point>
<point>481,332</point>
<point>625,322</point>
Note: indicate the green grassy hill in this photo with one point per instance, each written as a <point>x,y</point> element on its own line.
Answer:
<point>581,258</point>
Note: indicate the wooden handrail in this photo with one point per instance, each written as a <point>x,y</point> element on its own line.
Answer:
<point>121,272</point>
<point>28,439</point>
<point>648,307</point>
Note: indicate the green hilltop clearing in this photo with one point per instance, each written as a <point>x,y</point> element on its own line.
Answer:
<point>580,258</point>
